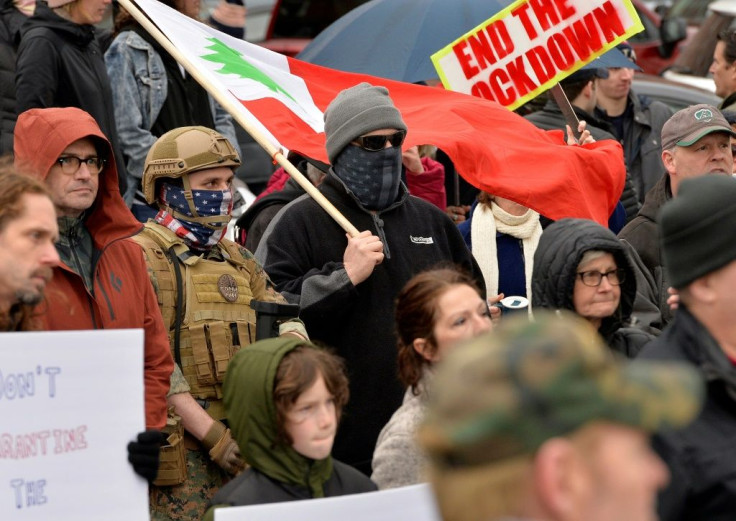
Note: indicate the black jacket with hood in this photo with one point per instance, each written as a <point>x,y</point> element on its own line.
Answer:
<point>556,261</point>
<point>277,472</point>
<point>11,19</point>
<point>60,64</point>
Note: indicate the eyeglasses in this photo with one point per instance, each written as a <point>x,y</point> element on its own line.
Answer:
<point>594,278</point>
<point>71,164</point>
<point>377,142</point>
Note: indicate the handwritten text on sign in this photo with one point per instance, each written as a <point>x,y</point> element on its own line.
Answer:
<point>70,402</point>
<point>532,44</point>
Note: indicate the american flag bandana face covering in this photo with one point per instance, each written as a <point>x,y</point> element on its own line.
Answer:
<point>208,203</point>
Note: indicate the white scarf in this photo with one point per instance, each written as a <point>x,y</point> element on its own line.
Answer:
<point>485,222</point>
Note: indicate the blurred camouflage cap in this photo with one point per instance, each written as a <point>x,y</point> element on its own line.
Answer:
<point>507,392</point>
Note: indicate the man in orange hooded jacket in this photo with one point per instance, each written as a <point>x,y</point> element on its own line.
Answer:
<point>102,281</point>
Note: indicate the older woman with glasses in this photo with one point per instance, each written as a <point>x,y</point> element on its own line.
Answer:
<point>581,266</point>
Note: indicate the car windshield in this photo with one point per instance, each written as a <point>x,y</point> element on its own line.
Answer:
<point>307,18</point>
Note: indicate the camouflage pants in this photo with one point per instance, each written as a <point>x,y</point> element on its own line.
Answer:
<point>188,501</point>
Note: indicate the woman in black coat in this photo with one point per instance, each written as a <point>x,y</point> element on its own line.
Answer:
<point>60,64</point>
<point>581,266</point>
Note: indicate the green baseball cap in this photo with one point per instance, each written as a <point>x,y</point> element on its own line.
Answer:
<point>507,392</point>
<point>689,125</point>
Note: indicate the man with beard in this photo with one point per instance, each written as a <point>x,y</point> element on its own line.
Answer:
<point>27,254</point>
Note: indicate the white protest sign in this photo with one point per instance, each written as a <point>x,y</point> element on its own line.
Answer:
<point>531,45</point>
<point>70,402</point>
<point>415,503</point>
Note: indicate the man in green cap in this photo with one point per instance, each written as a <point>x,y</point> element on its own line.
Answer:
<point>696,141</point>
<point>538,421</point>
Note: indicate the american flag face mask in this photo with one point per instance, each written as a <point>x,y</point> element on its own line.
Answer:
<point>200,220</point>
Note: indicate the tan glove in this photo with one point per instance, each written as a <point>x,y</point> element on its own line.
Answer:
<point>222,448</point>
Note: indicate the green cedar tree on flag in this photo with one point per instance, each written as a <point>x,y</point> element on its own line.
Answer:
<point>493,148</point>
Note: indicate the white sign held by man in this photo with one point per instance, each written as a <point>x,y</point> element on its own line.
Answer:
<point>70,402</point>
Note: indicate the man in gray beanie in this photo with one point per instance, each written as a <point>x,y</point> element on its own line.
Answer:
<point>695,142</point>
<point>346,285</point>
<point>697,230</point>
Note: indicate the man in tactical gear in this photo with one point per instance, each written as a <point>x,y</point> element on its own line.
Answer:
<point>205,284</point>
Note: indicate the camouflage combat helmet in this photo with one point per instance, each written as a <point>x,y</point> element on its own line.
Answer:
<point>185,150</point>
<point>508,391</point>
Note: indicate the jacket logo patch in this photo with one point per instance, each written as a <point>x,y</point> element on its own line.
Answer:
<point>228,287</point>
<point>116,283</point>
<point>421,240</point>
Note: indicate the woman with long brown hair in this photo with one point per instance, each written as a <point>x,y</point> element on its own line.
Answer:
<point>435,311</point>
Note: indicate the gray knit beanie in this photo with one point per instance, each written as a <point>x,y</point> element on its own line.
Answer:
<point>697,228</point>
<point>357,111</point>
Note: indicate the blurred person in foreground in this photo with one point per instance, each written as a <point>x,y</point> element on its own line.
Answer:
<point>539,421</point>
<point>28,231</point>
<point>435,310</point>
<point>697,230</point>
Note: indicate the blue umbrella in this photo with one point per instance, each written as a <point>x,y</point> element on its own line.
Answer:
<point>394,39</point>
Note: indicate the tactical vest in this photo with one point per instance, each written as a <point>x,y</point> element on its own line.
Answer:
<point>215,320</point>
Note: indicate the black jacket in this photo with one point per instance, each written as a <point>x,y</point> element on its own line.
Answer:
<point>60,64</point>
<point>10,21</point>
<point>701,456</point>
<point>556,260</point>
<point>254,488</point>
<point>642,140</point>
<point>643,235</point>
<point>551,118</point>
<point>302,253</point>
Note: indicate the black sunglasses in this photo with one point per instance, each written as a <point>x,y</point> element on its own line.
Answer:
<point>376,143</point>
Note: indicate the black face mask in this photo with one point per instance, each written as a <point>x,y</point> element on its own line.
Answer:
<point>372,177</point>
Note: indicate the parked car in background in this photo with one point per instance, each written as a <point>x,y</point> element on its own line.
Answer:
<point>658,45</point>
<point>294,23</point>
<point>692,64</point>
<point>693,11</point>
<point>676,95</point>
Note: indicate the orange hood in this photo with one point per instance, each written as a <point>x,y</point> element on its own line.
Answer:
<point>41,135</point>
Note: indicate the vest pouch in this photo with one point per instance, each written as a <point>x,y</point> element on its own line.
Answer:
<point>172,468</point>
<point>200,352</point>
<point>222,347</point>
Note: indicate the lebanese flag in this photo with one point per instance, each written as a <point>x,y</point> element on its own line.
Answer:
<point>493,148</point>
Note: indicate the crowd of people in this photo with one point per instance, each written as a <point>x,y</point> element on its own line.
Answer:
<point>319,363</point>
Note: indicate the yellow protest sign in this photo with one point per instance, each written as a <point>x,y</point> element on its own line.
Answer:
<point>532,44</point>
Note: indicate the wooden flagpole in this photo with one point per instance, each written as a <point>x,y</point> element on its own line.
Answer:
<point>229,105</point>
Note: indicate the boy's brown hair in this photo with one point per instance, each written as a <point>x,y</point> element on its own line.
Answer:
<point>297,372</point>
